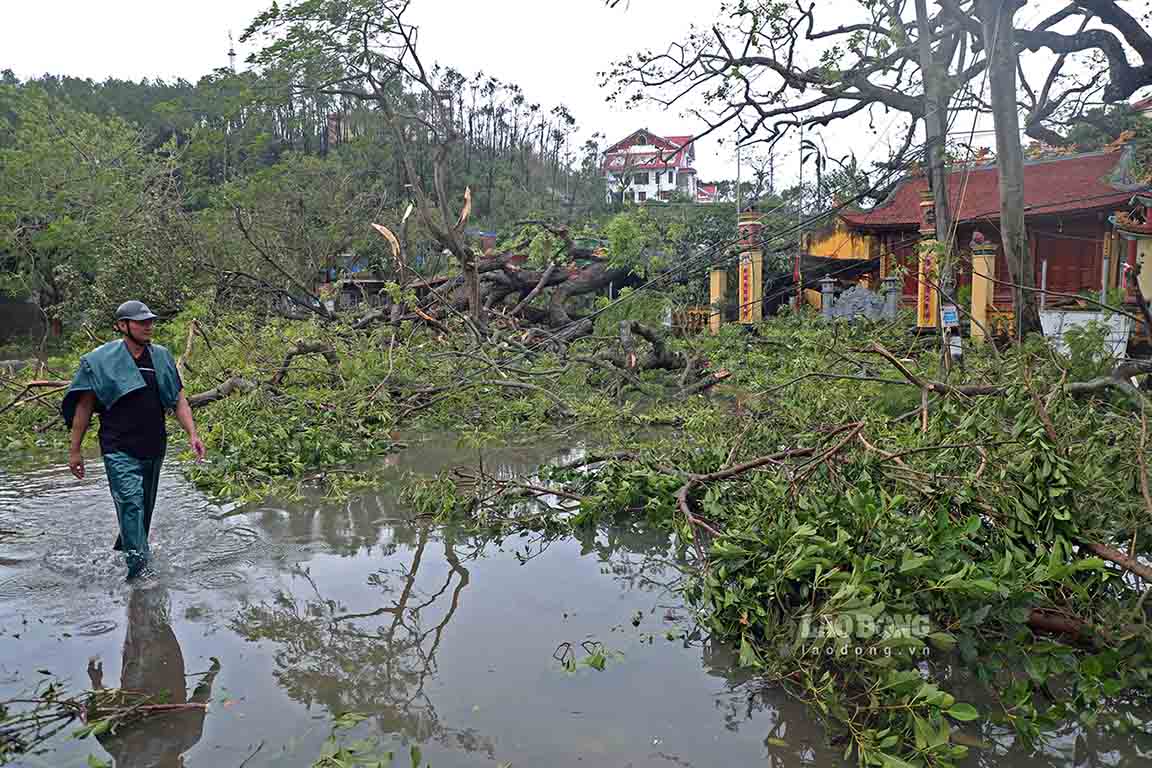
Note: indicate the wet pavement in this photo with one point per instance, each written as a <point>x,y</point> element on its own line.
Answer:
<point>448,641</point>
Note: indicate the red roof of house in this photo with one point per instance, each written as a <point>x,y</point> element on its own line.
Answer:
<point>1079,182</point>
<point>665,142</point>
<point>706,192</point>
<point>672,148</point>
<point>1143,104</point>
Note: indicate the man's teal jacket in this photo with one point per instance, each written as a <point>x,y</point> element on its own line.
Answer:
<point>110,372</point>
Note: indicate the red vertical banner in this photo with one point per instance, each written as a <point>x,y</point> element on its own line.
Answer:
<point>746,275</point>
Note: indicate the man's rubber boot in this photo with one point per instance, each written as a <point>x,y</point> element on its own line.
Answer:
<point>136,565</point>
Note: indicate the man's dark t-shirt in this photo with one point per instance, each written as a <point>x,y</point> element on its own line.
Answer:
<point>135,423</point>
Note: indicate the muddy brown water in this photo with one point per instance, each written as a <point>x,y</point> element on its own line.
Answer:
<point>444,640</point>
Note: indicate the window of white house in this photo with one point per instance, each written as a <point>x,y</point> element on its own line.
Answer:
<point>641,195</point>
<point>640,178</point>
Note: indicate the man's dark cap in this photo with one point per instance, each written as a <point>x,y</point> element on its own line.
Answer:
<point>134,310</point>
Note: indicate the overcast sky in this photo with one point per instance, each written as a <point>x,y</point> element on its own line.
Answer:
<point>552,49</point>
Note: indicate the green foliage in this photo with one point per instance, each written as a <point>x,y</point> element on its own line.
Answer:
<point>964,296</point>
<point>111,186</point>
<point>596,656</point>
<point>1088,352</point>
<point>361,753</point>
<point>543,249</point>
<point>1101,126</point>
<point>304,213</point>
<point>858,575</point>
<point>646,307</point>
<point>87,212</point>
<point>859,582</point>
<point>633,236</point>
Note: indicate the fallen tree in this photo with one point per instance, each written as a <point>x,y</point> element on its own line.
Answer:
<point>859,536</point>
<point>836,472</point>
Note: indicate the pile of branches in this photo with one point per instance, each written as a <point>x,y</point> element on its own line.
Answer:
<point>1010,511</point>
<point>28,722</point>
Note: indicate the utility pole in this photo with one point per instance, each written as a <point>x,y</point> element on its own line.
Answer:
<point>800,225</point>
<point>738,201</point>
<point>227,122</point>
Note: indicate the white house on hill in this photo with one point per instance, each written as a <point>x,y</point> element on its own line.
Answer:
<point>644,166</point>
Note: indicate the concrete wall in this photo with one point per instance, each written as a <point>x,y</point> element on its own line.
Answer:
<point>19,320</point>
<point>840,243</point>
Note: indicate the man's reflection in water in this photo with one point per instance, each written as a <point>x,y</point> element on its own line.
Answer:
<point>154,665</point>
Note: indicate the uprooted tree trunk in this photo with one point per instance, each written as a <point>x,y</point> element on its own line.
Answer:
<point>624,364</point>
<point>502,282</point>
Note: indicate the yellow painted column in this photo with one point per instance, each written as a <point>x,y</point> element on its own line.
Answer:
<point>927,297</point>
<point>717,294</point>
<point>751,269</point>
<point>983,276</point>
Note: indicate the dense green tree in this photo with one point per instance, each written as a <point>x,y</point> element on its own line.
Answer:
<point>286,223</point>
<point>87,212</point>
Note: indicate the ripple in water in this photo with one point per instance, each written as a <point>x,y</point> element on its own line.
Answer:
<point>16,588</point>
<point>93,628</point>
<point>233,541</point>
<point>66,562</point>
<point>220,579</point>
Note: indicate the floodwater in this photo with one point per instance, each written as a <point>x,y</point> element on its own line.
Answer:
<point>443,640</point>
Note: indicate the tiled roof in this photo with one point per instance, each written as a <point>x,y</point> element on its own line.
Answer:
<point>1079,182</point>
<point>669,156</point>
<point>647,134</point>
<point>638,162</point>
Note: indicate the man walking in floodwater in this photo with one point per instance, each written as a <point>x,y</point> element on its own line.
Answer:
<point>130,383</point>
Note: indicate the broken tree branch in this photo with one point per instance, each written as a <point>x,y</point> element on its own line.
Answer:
<point>929,385</point>
<point>304,348</point>
<point>229,387</point>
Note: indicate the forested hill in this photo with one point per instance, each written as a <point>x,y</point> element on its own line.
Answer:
<point>155,180</point>
<point>513,152</point>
